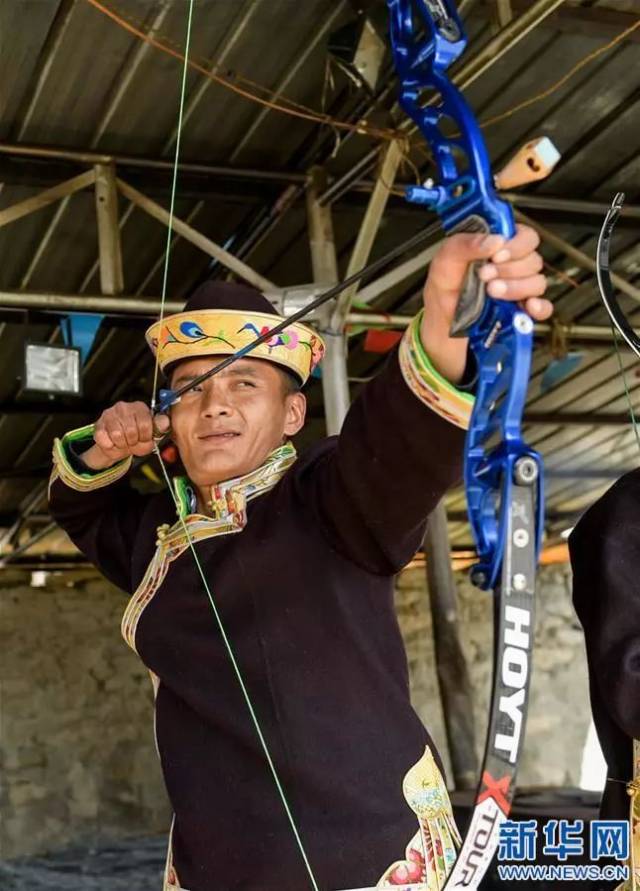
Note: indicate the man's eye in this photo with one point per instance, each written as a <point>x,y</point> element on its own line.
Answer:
<point>246,383</point>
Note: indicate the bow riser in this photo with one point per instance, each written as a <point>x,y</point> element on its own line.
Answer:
<point>503,376</point>
<point>465,182</point>
<point>501,335</point>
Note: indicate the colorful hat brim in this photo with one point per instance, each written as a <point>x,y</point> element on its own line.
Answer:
<point>221,332</point>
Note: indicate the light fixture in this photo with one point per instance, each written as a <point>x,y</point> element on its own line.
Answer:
<point>359,48</point>
<point>55,370</point>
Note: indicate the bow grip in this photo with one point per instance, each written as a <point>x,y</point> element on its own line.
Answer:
<point>473,296</point>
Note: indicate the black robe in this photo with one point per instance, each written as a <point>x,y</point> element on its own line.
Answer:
<point>605,557</point>
<point>306,593</point>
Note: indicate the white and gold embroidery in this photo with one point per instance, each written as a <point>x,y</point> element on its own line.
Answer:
<point>427,384</point>
<point>82,482</point>
<point>633,788</point>
<point>229,503</point>
<point>431,853</point>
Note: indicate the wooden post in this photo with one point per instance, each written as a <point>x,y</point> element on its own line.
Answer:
<point>42,199</point>
<point>109,247</point>
<point>451,665</point>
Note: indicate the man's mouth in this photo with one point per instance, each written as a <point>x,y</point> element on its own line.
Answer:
<point>219,437</point>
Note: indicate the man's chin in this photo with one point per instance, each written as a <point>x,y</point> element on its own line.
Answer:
<point>220,464</point>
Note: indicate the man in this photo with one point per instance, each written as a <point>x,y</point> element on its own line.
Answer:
<point>300,554</point>
<point>605,558</point>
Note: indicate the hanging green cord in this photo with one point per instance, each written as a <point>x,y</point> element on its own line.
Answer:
<point>240,679</point>
<point>174,188</point>
<point>218,618</point>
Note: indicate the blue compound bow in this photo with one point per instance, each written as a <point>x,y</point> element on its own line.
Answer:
<point>503,476</point>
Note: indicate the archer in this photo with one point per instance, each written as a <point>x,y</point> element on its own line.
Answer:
<point>301,555</point>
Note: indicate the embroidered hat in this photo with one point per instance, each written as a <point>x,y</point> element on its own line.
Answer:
<point>221,317</point>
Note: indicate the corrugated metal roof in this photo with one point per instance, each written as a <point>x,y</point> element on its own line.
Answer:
<point>74,78</point>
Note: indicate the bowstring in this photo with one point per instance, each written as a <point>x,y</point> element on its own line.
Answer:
<point>239,677</point>
<point>174,191</point>
<point>156,371</point>
<point>627,392</point>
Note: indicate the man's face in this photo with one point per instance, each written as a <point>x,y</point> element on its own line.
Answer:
<point>226,426</point>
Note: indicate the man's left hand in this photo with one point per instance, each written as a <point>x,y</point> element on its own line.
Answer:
<point>511,271</point>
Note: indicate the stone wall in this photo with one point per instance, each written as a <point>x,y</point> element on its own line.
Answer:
<point>77,751</point>
<point>76,735</point>
<point>559,713</point>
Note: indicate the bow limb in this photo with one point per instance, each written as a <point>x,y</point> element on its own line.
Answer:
<point>603,271</point>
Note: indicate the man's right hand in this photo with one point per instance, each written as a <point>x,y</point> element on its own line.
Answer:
<point>124,430</point>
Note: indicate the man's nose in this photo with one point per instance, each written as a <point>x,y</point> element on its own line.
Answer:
<point>215,400</point>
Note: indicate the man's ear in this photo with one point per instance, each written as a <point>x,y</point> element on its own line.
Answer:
<point>295,413</point>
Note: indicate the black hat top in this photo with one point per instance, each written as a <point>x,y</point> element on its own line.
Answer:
<point>228,295</point>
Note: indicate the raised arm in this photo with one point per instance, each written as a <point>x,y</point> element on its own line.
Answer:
<point>402,442</point>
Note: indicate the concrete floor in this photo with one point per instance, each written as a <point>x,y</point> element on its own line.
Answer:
<point>130,865</point>
<point>138,864</point>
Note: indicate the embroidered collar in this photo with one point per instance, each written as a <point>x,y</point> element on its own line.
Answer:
<point>230,496</point>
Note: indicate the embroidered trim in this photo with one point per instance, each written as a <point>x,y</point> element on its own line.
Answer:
<point>82,482</point>
<point>219,332</point>
<point>169,546</point>
<point>229,501</point>
<point>432,851</point>
<point>427,384</point>
<point>224,496</point>
<point>633,788</point>
<point>171,881</point>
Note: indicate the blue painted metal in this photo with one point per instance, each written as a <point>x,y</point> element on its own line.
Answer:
<point>427,37</point>
<point>80,330</point>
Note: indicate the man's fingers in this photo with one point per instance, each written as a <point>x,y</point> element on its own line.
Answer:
<point>518,289</point>
<point>118,433</point>
<point>142,449</point>
<point>161,423</point>
<point>134,420</point>
<point>103,439</point>
<point>538,308</point>
<point>125,428</point>
<point>524,242</point>
<point>465,247</point>
<point>144,420</point>
<point>529,265</point>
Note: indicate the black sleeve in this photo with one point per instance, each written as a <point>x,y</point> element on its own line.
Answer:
<point>393,461</point>
<point>100,519</point>
<point>605,557</point>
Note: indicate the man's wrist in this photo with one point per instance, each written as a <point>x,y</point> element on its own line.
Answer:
<point>95,459</point>
<point>428,384</point>
<point>448,355</point>
<point>82,465</point>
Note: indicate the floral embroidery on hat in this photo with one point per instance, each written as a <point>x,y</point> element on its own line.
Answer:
<point>221,332</point>
<point>194,333</point>
<point>288,339</point>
